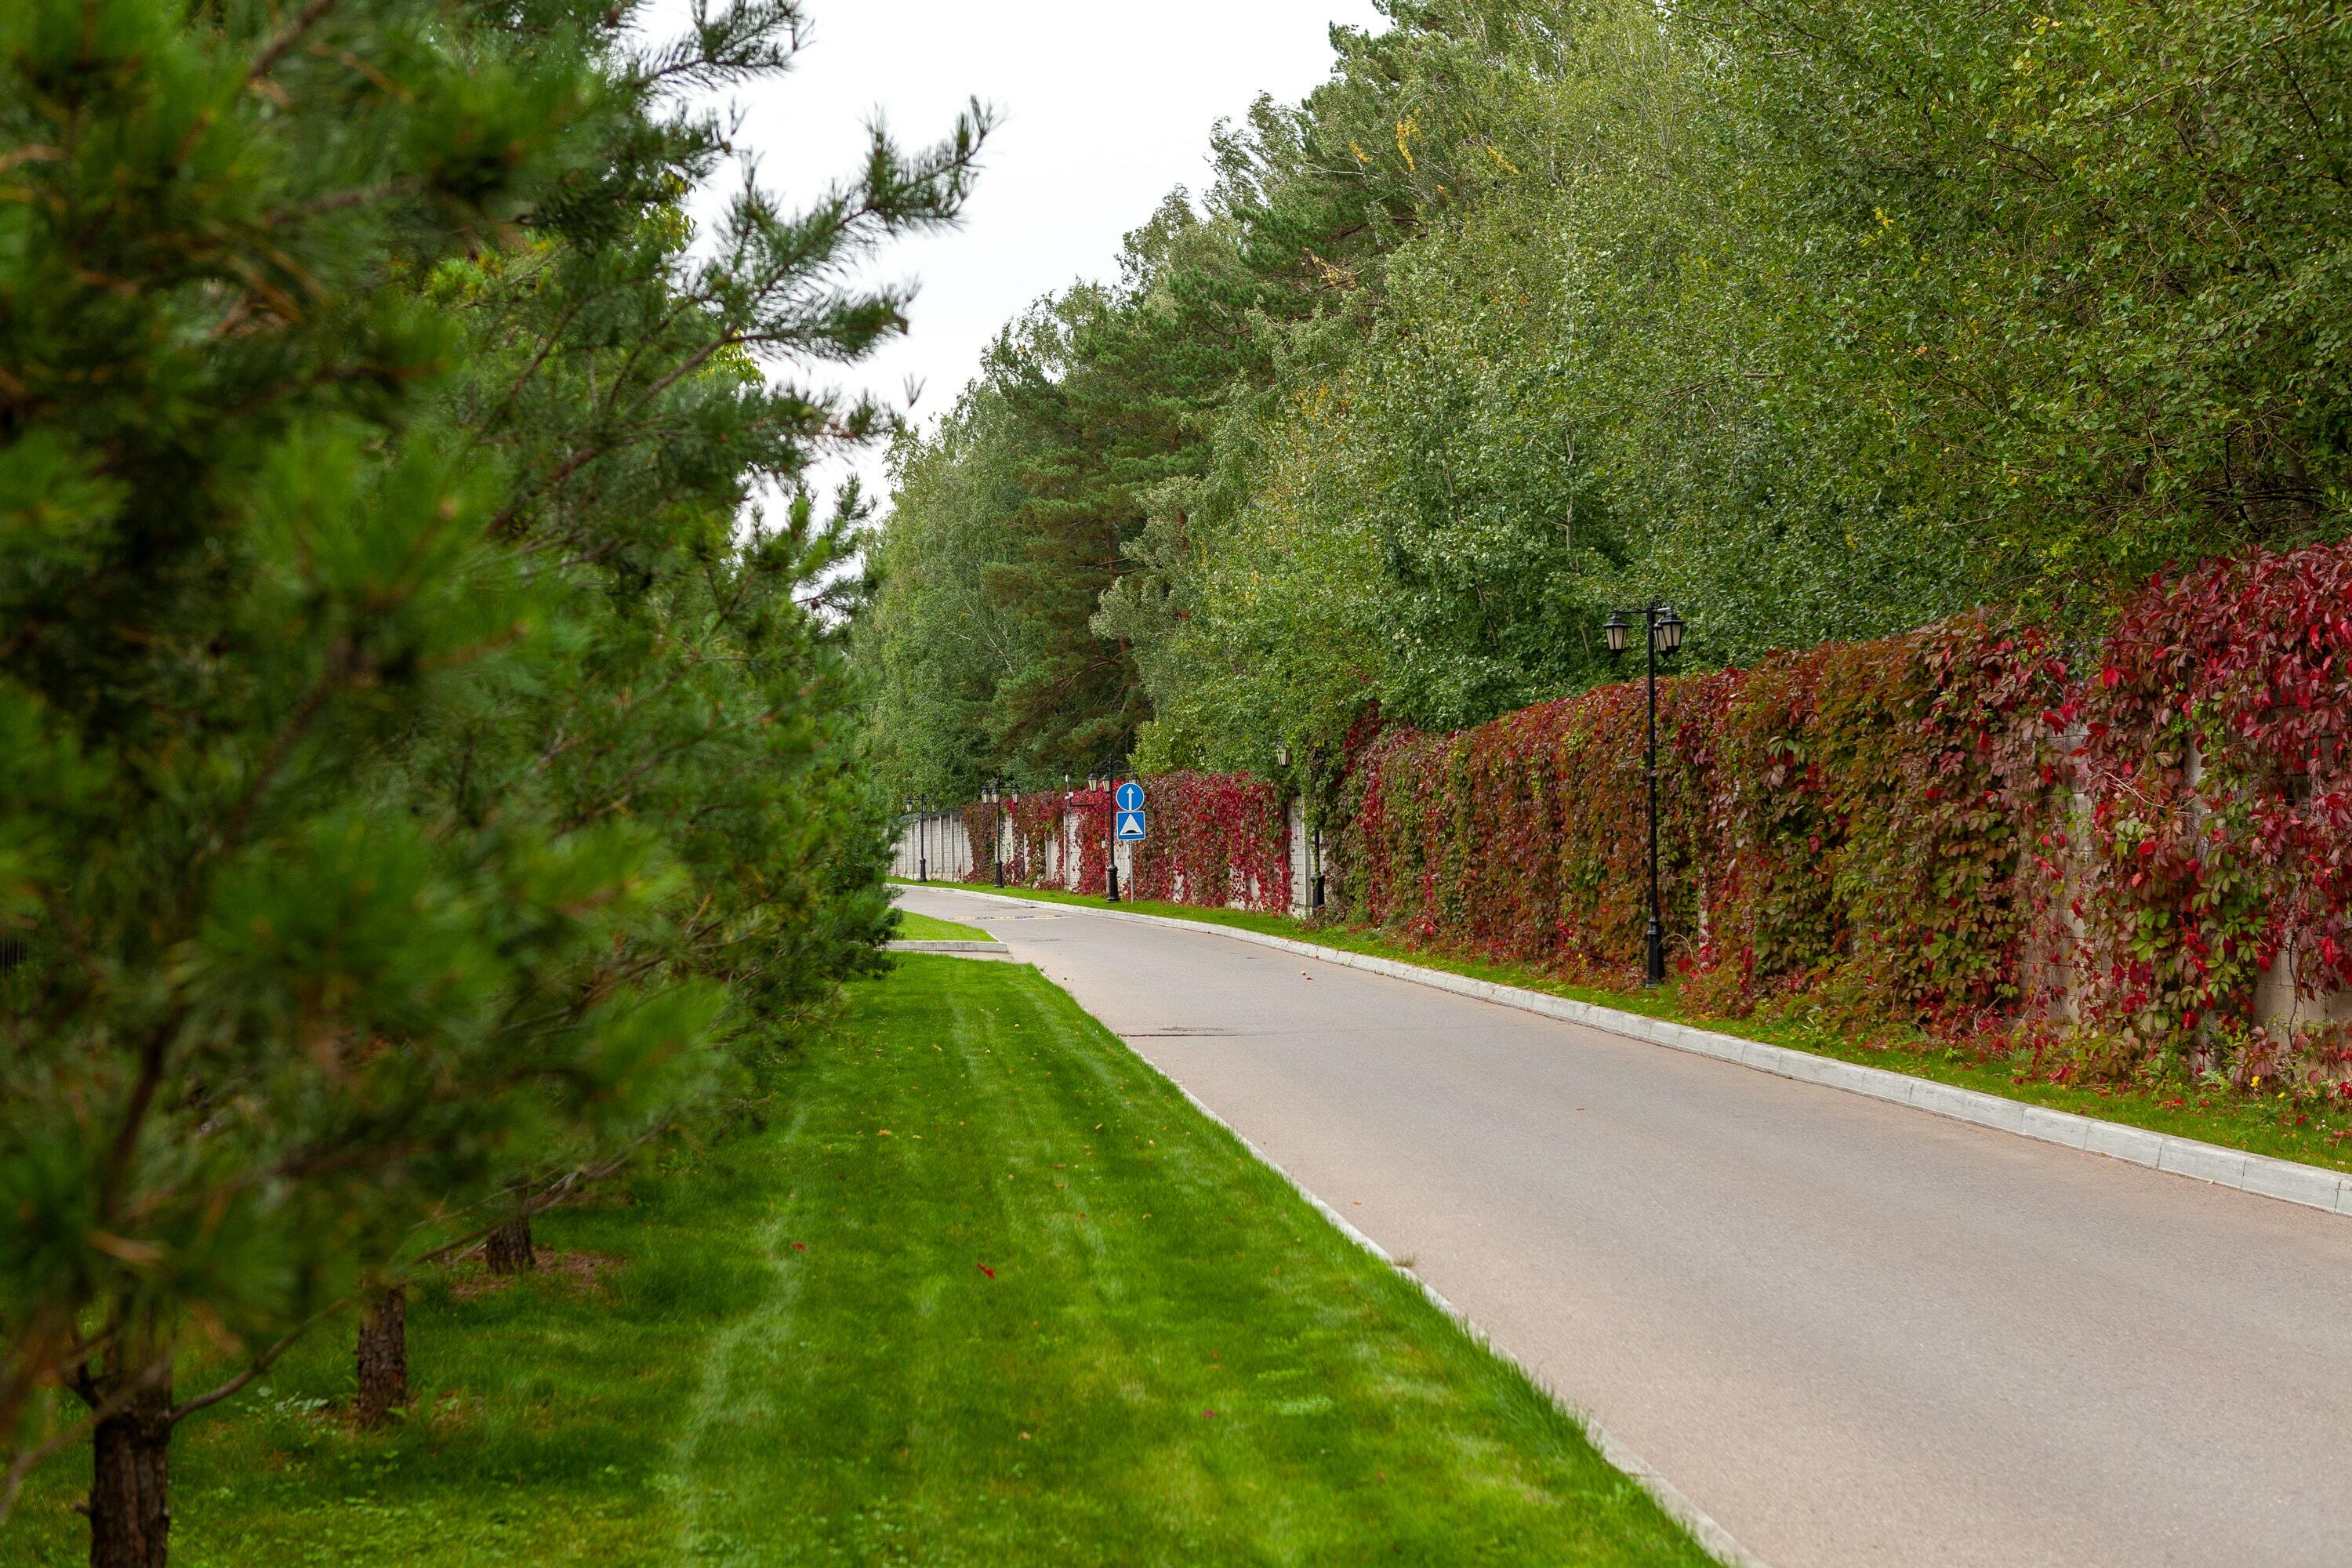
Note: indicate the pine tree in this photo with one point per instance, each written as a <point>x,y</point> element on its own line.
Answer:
<point>412,781</point>
<point>1094,407</point>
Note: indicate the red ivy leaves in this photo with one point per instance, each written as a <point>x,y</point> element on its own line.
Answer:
<point>1051,838</point>
<point>1944,821</point>
<point>1215,839</point>
<point>1864,807</point>
<point>2220,832</point>
<point>1524,838</point>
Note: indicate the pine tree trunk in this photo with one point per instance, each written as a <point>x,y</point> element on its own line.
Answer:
<point>382,1359</point>
<point>130,1508</point>
<point>508,1249</point>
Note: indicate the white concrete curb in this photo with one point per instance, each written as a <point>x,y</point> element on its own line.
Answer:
<point>947,944</point>
<point>2288,1180</point>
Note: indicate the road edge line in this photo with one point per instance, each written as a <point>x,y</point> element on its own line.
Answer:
<point>2261,1175</point>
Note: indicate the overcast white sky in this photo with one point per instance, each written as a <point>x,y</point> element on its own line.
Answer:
<point>1104,105</point>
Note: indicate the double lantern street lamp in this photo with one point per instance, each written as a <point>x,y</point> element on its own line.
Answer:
<point>993,792</point>
<point>1664,629</point>
<point>1108,781</point>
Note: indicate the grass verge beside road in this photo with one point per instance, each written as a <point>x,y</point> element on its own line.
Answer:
<point>987,1290</point>
<point>913,927</point>
<point>2277,1127</point>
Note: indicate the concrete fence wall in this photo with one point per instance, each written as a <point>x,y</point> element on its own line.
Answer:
<point>936,846</point>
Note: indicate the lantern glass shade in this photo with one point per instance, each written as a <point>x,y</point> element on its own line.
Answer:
<point>1614,630</point>
<point>1670,631</point>
<point>1282,756</point>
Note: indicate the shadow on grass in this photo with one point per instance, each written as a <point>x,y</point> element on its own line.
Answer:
<point>984,1290</point>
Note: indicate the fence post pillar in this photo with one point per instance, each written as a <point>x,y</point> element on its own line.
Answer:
<point>1302,873</point>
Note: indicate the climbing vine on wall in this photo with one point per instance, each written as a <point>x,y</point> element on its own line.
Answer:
<point>1882,804</point>
<point>1512,840</point>
<point>1215,839</point>
<point>1049,838</point>
<point>2219,803</point>
<point>1950,826</point>
<point>1860,810</point>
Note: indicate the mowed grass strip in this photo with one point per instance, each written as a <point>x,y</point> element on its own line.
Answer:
<point>1048,1313</point>
<point>914,927</point>
<point>987,1290</point>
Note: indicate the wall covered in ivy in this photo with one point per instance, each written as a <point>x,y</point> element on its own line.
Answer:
<point>2147,851</point>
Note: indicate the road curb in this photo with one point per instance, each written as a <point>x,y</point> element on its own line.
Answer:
<point>2262,1175</point>
<point>945,944</point>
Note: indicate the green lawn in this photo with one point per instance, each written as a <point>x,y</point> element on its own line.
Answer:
<point>913,927</point>
<point>986,1291</point>
<point>2277,1126</point>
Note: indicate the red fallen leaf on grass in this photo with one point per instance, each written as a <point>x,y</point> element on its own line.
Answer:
<point>984,1268</point>
<point>1208,1415</point>
<point>800,1246</point>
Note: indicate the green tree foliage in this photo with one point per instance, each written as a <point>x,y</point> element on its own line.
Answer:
<point>418,785</point>
<point>1013,521</point>
<point>2089,262</point>
<point>1821,321</point>
<point>938,641</point>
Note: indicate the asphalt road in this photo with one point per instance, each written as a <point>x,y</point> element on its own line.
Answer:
<point>1858,1335</point>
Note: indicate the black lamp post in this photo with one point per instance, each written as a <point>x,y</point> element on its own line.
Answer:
<point>1664,629</point>
<point>923,843</point>
<point>989,792</point>
<point>1108,784</point>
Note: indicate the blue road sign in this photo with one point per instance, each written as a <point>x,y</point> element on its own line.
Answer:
<point>1131,823</point>
<point>1131,798</point>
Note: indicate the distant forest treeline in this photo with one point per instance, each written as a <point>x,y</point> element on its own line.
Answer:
<point>1819,318</point>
